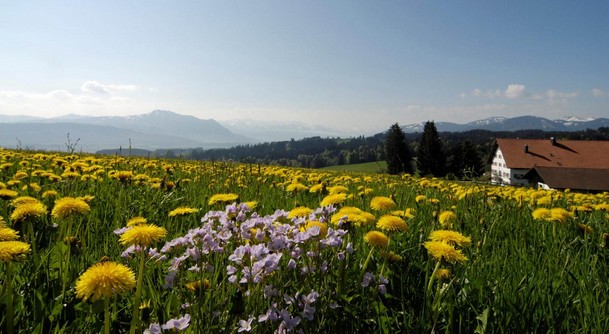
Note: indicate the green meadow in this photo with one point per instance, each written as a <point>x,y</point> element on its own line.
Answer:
<point>92,244</point>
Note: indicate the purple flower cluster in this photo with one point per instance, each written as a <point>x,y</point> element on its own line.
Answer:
<point>256,248</point>
<point>176,325</point>
<point>369,279</point>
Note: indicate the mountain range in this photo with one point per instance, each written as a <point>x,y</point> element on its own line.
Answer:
<point>162,129</point>
<point>568,123</point>
<point>156,130</point>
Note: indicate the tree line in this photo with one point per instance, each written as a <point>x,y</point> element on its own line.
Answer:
<point>442,154</point>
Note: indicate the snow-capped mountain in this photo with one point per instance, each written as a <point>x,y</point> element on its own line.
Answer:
<point>516,123</point>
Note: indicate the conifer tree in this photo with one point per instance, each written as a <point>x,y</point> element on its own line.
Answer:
<point>465,160</point>
<point>397,153</point>
<point>430,155</point>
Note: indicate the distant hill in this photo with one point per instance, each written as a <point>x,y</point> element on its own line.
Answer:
<point>269,130</point>
<point>91,138</point>
<point>515,124</point>
<point>156,130</point>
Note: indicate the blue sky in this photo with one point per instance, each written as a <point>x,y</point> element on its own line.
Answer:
<point>350,65</point>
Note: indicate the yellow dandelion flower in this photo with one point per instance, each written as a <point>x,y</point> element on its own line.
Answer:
<point>251,204</point>
<point>391,256</point>
<point>446,218</point>
<point>24,200</point>
<point>182,211</point>
<point>11,183</point>
<point>86,198</point>
<point>20,175</point>
<point>542,214</point>
<point>602,206</point>
<point>333,199</point>
<point>35,187</point>
<point>103,280</point>
<point>296,187</point>
<point>583,227</point>
<point>223,198</point>
<point>559,215</point>
<point>450,237</point>
<point>8,234</point>
<point>443,273</point>
<point>142,235</point>
<point>546,200</point>
<point>420,198</point>
<point>24,211</point>
<point>136,221</point>
<point>391,223</point>
<point>122,175</point>
<point>11,249</point>
<point>316,188</point>
<point>376,239</point>
<point>353,216</point>
<point>382,203</point>
<point>338,189</point>
<point>197,285</point>
<point>67,175</point>
<point>300,211</point>
<point>406,214</point>
<point>440,250</point>
<point>49,193</point>
<point>68,206</point>
<point>8,194</point>
<point>323,227</point>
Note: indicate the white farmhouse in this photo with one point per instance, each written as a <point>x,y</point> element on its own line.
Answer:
<point>558,164</point>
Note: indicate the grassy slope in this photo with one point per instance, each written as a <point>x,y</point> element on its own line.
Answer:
<point>367,167</point>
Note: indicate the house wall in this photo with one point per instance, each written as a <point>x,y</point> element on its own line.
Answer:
<point>501,174</point>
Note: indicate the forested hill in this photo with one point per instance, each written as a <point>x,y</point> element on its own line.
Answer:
<point>317,152</point>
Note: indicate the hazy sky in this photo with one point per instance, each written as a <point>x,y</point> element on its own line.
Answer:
<point>350,65</point>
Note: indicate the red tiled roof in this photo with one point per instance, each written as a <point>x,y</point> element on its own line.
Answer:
<point>562,153</point>
<point>572,178</point>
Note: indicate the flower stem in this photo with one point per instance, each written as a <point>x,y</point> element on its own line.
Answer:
<point>432,278</point>
<point>8,290</point>
<point>138,294</point>
<point>107,315</point>
<point>367,259</point>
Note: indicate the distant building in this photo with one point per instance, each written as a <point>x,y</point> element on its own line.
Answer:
<point>551,163</point>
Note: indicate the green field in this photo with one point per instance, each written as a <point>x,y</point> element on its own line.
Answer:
<point>366,167</point>
<point>92,244</point>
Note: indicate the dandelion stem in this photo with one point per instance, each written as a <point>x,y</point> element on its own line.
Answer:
<point>138,294</point>
<point>8,290</point>
<point>107,315</point>
<point>33,241</point>
<point>367,259</point>
<point>432,278</point>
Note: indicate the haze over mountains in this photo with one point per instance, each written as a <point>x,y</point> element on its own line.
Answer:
<point>168,130</point>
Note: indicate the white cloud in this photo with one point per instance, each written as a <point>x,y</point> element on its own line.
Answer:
<point>514,91</point>
<point>120,99</point>
<point>98,87</point>
<point>599,92</point>
<point>61,102</point>
<point>21,96</point>
<point>122,88</point>
<point>94,86</point>
<point>555,97</point>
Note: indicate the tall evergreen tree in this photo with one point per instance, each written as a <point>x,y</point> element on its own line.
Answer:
<point>397,153</point>
<point>473,165</point>
<point>430,155</point>
<point>465,160</point>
